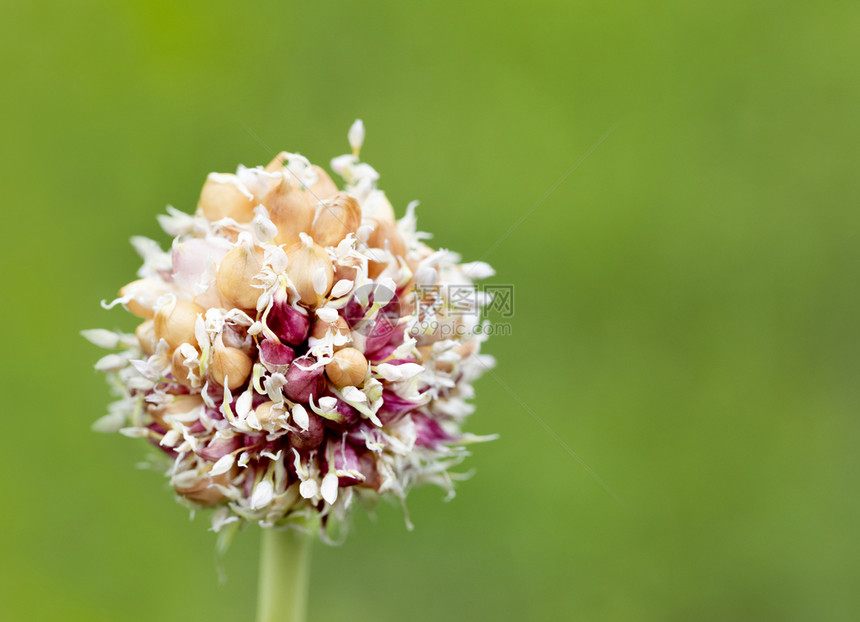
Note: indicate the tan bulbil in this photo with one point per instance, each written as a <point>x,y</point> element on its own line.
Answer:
<point>309,268</point>
<point>292,207</point>
<point>236,274</point>
<point>323,187</point>
<point>145,334</point>
<point>348,367</point>
<point>346,268</point>
<point>178,369</point>
<point>175,321</point>
<point>335,218</point>
<point>180,405</point>
<point>203,492</point>
<point>339,326</point>
<point>267,414</point>
<point>289,210</point>
<point>222,198</point>
<point>144,294</point>
<point>386,237</point>
<point>229,365</point>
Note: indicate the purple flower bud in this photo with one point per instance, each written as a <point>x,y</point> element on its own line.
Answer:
<point>347,417</point>
<point>289,324</point>
<point>276,357</point>
<point>310,438</point>
<point>346,459</point>
<point>218,448</point>
<point>394,407</point>
<point>302,382</point>
<point>359,433</point>
<point>430,433</point>
<point>353,312</point>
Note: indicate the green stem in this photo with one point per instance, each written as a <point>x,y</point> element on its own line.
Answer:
<point>285,559</point>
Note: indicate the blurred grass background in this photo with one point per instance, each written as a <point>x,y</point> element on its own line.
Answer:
<point>686,301</point>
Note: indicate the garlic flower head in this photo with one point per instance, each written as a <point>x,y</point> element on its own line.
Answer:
<point>292,355</point>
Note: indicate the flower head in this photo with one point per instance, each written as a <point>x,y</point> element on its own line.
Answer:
<point>298,346</point>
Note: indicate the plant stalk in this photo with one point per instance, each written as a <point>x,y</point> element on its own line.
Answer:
<point>285,557</point>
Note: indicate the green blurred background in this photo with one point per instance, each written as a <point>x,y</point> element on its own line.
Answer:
<point>686,300</point>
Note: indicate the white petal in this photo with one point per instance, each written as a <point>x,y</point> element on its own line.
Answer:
<point>477,270</point>
<point>101,337</point>
<point>319,281</point>
<point>390,372</point>
<point>134,432</point>
<point>263,494</point>
<point>111,362</point>
<point>340,164</point>
<point>223,465</point>
<point>328,404</point>
<point>243,405</point>
<point>356,135</point>
<point>200,332</point>
<point>352,394</point>
<point>277,258</point>
<point>264,228</point>
<point>341,288</point>
<point>409,370</point>
<point>221,518</point>
<point>309,489</point>
<point>327,315</point>
<point>384,291</point>
<point>171,438</point>
<point>329,488</point>
<point>109,423</point>
<point>300,416</point>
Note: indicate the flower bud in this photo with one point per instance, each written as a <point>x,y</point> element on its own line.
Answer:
<point>288,323</point>
<point>236,274</point>
<point>219,447</point>
<point>146,337</point>
<point>310,438</point>
<point>346,459</point>
<point>335,218</point>
<point>346,417</point>
<point>356,136</point>
<point>428,431</point>
<point>222,197</point>
<point>386,237</point>
<point>348,367</point>
<point>174,322</point>
<point>230,364</point>
<point>276,357</point>
<point>310,271</point>
<point>302,382</point>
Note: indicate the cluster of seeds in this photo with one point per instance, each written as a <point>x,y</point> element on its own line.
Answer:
<point>300,347</point>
